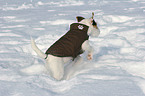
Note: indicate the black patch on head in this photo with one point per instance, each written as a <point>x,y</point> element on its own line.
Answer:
<point>79,18</point>
<point>94,23</point>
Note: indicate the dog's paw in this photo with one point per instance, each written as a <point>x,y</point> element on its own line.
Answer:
<point>90,57</point>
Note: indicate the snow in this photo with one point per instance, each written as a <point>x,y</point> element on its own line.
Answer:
<point>118,65</point>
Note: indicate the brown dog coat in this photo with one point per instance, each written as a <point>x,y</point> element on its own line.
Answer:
<point>69,45</point>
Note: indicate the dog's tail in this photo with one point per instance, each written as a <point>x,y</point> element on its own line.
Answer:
<point>36,49</point>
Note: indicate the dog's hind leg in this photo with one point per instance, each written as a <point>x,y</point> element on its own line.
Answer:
<point>55,67</point>
<point>72,69</point>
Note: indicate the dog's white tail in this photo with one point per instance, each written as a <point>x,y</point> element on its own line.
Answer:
<point>36,49</point>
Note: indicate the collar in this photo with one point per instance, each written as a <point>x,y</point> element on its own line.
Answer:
<point>79,26</point>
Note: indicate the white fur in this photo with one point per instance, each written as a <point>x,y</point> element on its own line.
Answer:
<point>92,31</point>
<point>55,65</point>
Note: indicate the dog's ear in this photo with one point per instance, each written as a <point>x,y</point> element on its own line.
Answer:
<point>79,18</point>
<point>94,23</point>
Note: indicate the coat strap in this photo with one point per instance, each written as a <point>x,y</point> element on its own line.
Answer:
<point>46,56</point>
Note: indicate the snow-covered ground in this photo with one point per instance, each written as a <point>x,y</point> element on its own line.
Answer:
<point>118,67</point>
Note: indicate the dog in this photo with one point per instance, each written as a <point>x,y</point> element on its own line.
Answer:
<point>69,47</point>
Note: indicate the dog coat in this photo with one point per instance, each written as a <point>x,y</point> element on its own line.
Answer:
<point>69,45</point>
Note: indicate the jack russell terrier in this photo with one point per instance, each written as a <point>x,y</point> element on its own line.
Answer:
<point>69,46</point>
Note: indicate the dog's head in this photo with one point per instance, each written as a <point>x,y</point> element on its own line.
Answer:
<point>93,28</point>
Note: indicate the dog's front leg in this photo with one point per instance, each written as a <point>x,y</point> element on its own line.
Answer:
<point>86,46</point>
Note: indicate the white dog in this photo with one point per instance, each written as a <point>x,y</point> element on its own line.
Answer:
<point>69,46</point>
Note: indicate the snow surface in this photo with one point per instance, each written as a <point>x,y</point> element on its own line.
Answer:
<point>118,67</point>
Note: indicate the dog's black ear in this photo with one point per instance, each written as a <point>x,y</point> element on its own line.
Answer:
<point>94,23</point>
<point>79,18</point>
